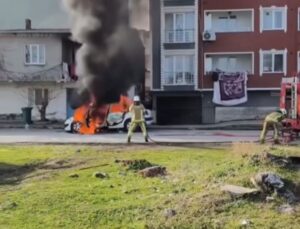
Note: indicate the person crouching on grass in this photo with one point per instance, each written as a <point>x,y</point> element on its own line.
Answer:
<point>273,120</point>
<point>137,118</point>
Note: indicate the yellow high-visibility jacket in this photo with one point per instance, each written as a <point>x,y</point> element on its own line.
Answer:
<point>275,117</point>
<point>137,112</point>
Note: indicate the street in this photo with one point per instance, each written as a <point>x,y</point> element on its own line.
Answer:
<point>8,136</point>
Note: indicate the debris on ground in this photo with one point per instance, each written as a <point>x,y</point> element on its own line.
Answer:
<point>270,199</point>
<point>281,161</point>
<point>267,182</point>
<point>287,162</point>
<point>74,175</point>
<point>286,209</point>
<point>100,175</point>
<point>135,165</point>
<point>270,183</point>
<point>143,167</point>
<point>238,191</point>
<point>154,171</point>
<point>245,223</point>
<point>169,213</point>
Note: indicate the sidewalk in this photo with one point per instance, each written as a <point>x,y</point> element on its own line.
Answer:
<point>158,136</point>
<point>231,125</point>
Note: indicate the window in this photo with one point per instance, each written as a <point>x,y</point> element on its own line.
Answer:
<point>180,27</point>
<point>229,62</point>
<point>227,23</point>
<point>35,55</point>
<point>179,70</point>
<point>273,61</point>
<point>273,18</point>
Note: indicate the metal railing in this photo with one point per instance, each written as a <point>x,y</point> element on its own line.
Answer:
<point>178,78</point>
<point>54,74</point>
<point>180,36</point>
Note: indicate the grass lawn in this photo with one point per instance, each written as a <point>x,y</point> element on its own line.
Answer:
<point>37,192</point>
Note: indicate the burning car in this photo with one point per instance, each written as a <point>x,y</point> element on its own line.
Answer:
<point>113,116</point>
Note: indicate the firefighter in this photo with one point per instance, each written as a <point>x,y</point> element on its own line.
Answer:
<point>273,120</point>
<point>137,118</point>
<point>90,113</point>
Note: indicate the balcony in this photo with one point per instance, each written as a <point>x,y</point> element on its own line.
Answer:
<point>180,36</point>
<point>235,62</point>
<point>178,79</point>
<point>57,74</point>
<point>222,21</point>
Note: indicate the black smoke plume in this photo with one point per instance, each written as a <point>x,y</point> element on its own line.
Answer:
<point>111,58</point>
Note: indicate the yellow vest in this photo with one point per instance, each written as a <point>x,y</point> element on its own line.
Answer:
<point>275,117</point>
<point>137,113</point>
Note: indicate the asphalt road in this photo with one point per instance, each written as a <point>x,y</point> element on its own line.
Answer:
<point>8,136</point>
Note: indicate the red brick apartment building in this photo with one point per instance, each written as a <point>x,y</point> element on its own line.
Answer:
<point>261,37</point>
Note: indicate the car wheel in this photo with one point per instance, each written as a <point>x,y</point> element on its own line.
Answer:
<point>75,128</point>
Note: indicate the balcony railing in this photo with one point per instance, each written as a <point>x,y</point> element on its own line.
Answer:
<point>179,78</point>
<point>180,36</point>
<point>55,74</point>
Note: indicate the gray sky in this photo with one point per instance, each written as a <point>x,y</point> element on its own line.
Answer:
<point>43,14</point>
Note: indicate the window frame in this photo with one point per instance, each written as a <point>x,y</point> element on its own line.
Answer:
<point>273,10</point>
<point>273,52</point>
<point>208,19</point>
<point>184,30</point>
<point>185,69</point>
<point>227,20</point>
<point>298,17</point>
<point>38,47</point>
<point>298,61</point>
<point>208,60</point>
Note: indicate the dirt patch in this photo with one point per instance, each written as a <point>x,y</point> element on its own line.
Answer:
<point>135,165</point>
<point>266,158</point>
<point>13,174</point>
<point>62,164</point>
<point>154,171</point>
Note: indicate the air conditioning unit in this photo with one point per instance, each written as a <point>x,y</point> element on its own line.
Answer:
<point>209,36</point>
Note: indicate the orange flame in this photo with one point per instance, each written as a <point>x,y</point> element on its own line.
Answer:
<point>92,119</point>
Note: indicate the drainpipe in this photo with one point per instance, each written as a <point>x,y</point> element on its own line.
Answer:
<point>201,25</point>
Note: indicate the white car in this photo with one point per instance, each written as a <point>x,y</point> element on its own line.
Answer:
<point>115,121</point>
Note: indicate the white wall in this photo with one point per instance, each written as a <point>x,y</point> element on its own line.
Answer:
<point>224,114</point>
<point>243,21</point>
<point>12,52</point>
<point>43,13</point>
<point>57,108</point>
<point>13,98</point>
